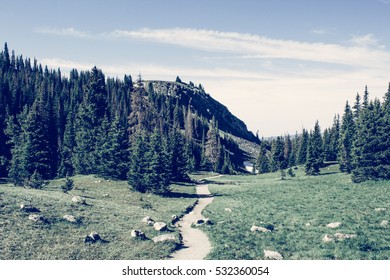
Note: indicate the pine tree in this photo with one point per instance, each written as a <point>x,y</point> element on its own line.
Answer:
<point>178,156</point>
<point>158,173</point>
<point>369,152</point>
<point>346,140</point>
<point>315,152</point>
<point>138,177</point>
<point>278,160</point>
<point>37,156</point>
<point>263,161</point>
<point>303,147</point>
<point>68,147</point>
<point>15,130</point>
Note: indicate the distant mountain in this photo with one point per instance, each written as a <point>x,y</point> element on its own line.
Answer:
<point>205,105</point>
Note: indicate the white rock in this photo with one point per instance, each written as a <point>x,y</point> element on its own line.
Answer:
<point>92,237</point>
<point>384,223</point>
<point>70,218</point>
<point>327,238</point>
<point>259,229</point>
<point>147,220</point>
<point>106,195</point>
<point>272,255</point>
<point>228,210</point>
<point>343,236</point>
<point>135,233</point>
<point>164,238</point>
<point>78,200</point>
<point>334,225</point>
<point>34,217</point>
<point>381,209</point>
<point>160,226</point>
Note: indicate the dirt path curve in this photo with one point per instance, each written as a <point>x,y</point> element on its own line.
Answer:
<point>196,244</point>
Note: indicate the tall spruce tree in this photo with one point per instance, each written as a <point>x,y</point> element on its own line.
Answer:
<point>347,134</point>
<point>263,163</point>
<point>315,152</point>
<point>303,147</point>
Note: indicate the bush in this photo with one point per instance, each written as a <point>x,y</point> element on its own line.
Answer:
<point>36,181</point>
<point>68,186</point>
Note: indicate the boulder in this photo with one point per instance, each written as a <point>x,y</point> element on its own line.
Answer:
<point>228,210</point>
<point>343,236</point>
<point>334,225</point>
<point>78,200</point>
<point>259,229</point>
<point>164,238</point>
<point>272,255</point>
<point>327,238</point>
<point>29,208</point>
<point>106,195</point>
<point>160,226</point>
<point>149,221</point>
<point>35,218</point>
<point>92,237</point>
<point>381,209</point>
<point>384,223</point>
<point>70,218</point>
<point>135,233</point>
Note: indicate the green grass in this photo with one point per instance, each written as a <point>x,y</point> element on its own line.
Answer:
<point>113,217</point>
<point>299,209</point>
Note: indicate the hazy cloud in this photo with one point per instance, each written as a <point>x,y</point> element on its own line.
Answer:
<point>260,46</point>
<point>62,32</point>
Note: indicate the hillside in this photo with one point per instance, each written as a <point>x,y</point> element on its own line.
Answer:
<point>205,105</point>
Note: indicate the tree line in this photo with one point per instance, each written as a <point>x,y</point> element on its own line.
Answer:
<point>359,142</point>
<point>53,126</point>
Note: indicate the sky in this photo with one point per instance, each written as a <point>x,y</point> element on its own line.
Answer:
<point>278,65</point>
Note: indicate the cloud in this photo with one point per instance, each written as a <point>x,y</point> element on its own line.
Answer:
<point>263,47</point>
<point>319,31</point>
<point>72,32</point>
<point>367,40</point>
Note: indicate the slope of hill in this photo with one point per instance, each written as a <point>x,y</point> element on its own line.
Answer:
<point>205,105</point>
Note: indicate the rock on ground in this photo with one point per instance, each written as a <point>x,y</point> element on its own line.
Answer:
<point>384,223</point>
<point>92,237</point>
<point>29,208</point>
<point>334,225</point>
<point>160,226</point>
<point>135,233</point>
<point>259,229</point>
<point>35,218</point>
<point>327,238</point>
<point>381,209</point>
<point>70,218</point>
<point>164,238</point>
<point>149,221</point>
<point>78,200</point>
<point>272,255</point>
<point>228,210</point>
<point>337,236</point>
<point>343,236</point>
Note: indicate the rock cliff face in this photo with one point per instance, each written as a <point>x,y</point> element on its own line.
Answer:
<point>205,105</point>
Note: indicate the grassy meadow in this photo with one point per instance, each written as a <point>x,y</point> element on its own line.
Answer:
<point>297,211</point>
<point>112,210</point>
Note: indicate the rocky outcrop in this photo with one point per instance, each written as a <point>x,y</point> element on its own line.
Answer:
<point>160,226</point>
<point>164,238</point>
<point>272,255</point>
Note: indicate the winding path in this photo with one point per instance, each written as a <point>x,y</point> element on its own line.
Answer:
<point>196,244</point>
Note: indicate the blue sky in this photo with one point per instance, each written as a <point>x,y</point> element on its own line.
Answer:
<point>278,65</point>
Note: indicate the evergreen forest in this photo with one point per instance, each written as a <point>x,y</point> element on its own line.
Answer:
<point>52,126</point>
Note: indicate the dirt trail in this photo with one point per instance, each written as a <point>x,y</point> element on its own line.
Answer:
<point>196,244</point>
